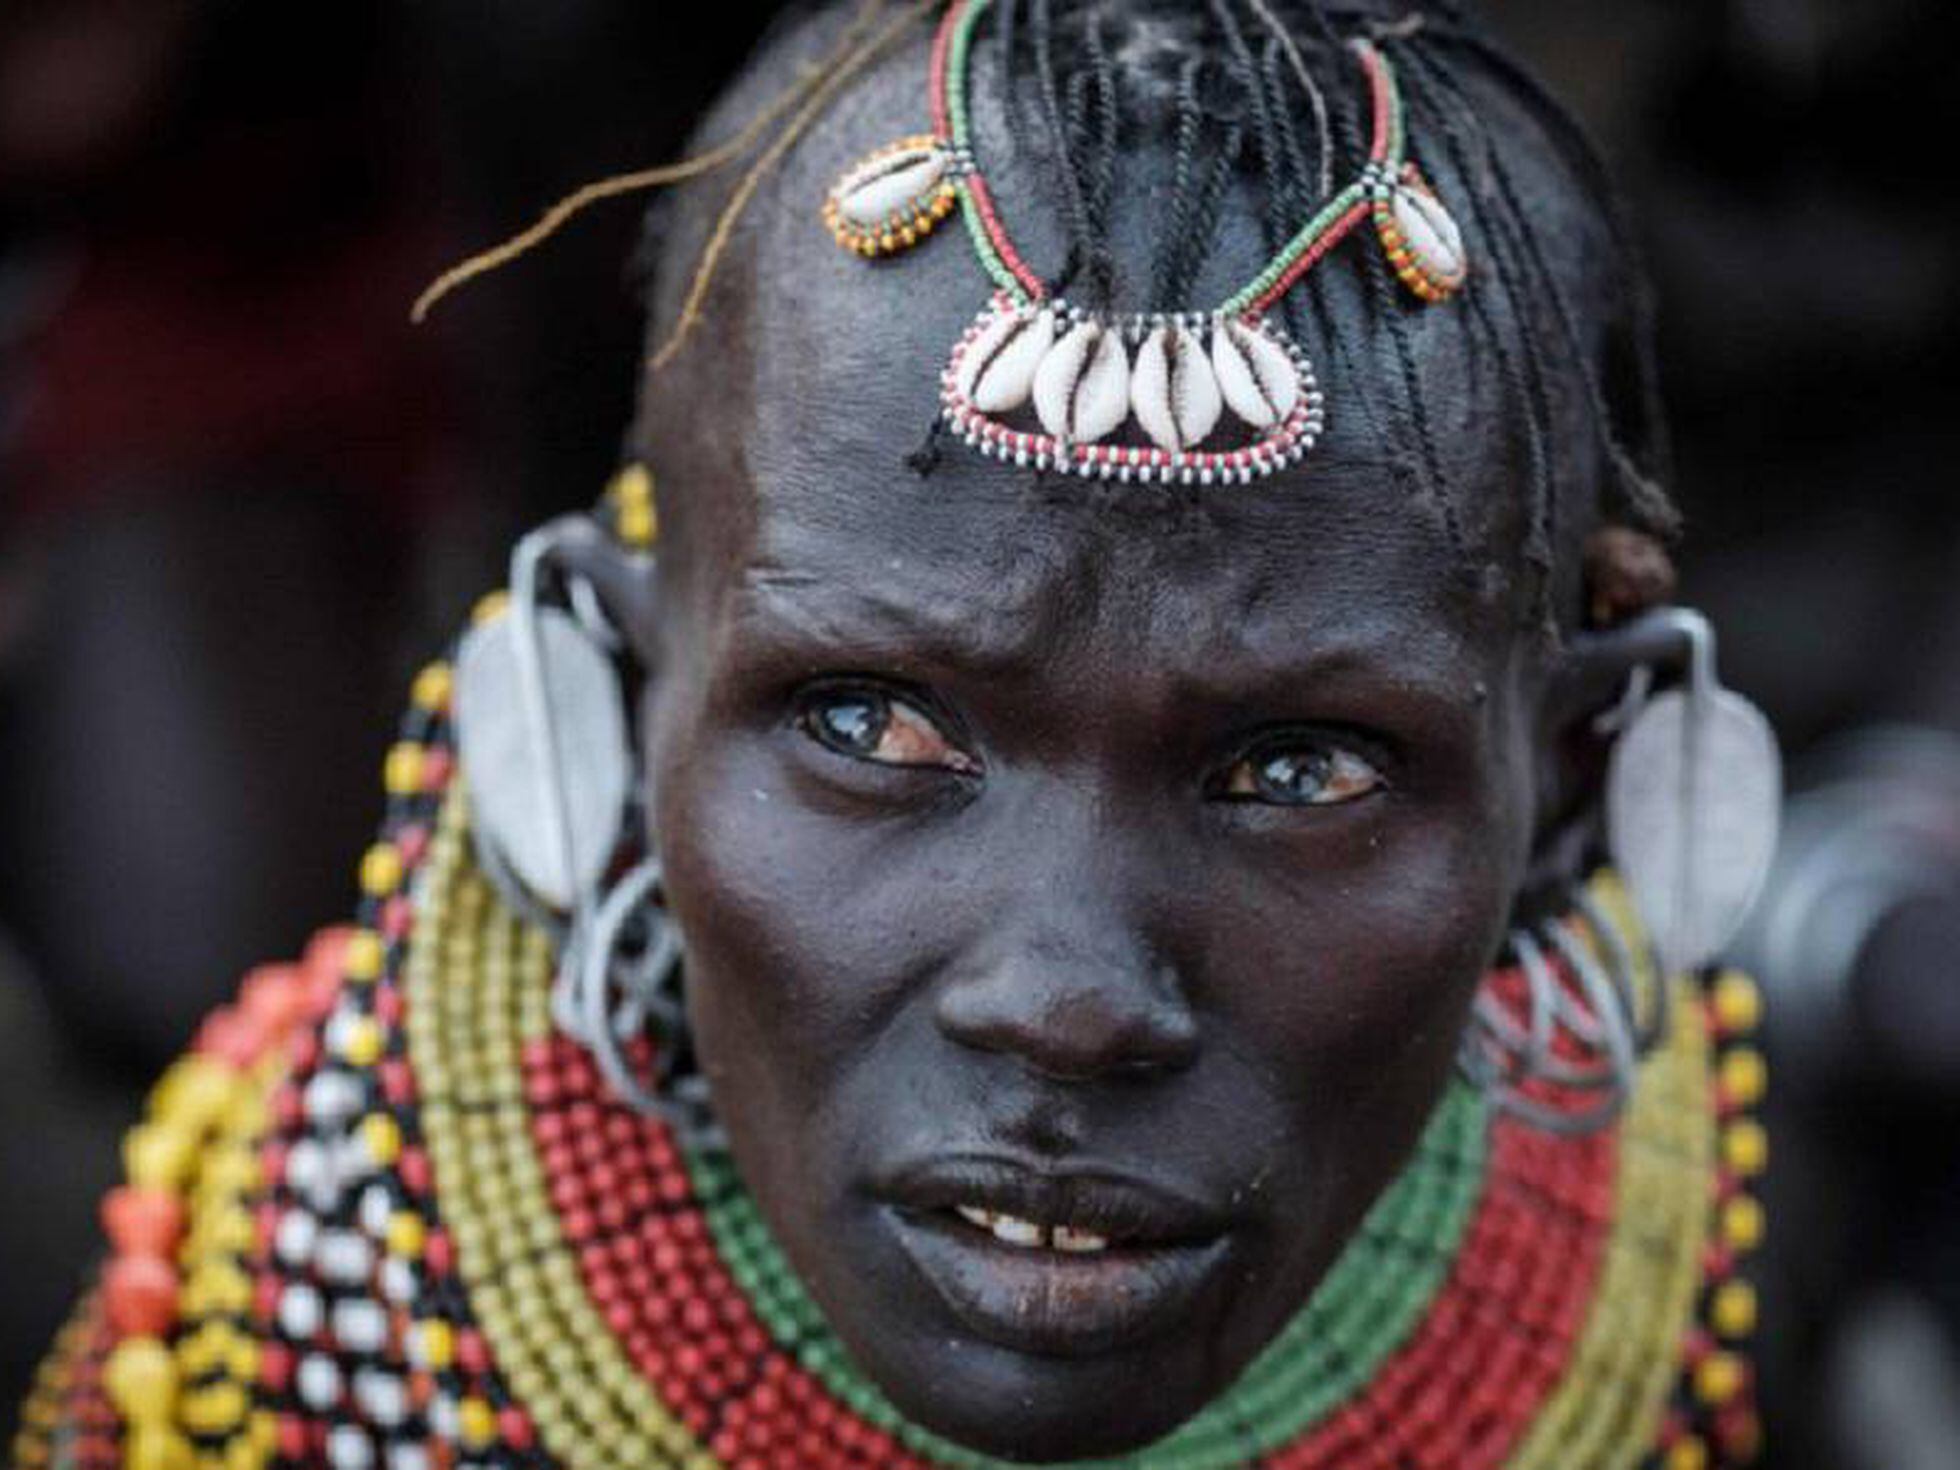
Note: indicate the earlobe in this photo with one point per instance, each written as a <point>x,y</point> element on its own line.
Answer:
<point>607,553</point>
<point>1591,678</point>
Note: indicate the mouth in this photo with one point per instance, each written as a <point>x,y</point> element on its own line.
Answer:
<point>1054,1262</point>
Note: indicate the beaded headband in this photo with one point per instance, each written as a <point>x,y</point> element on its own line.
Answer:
<point>1043,383</point>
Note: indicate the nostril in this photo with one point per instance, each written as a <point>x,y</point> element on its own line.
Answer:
<point>1073,1024</point>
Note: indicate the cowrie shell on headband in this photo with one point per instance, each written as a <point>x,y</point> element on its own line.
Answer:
<point>890,200</point>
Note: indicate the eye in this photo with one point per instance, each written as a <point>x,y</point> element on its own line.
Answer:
<point>1301,772</point>
<point>868,725</point>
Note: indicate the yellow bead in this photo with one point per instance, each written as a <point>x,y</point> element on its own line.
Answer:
<point>633,485</point>
<point>490,607</point>
<point>157,1449</point>
<point>1738,1003</point>
<point>364,956</point>
<point>361,1043</point>
<point>639,525</point>
<point>263,1431</point>
<point>1732,1310</point>
<point>141,1379</point>
<point>1719,1377</point>
<point>401,772</point>
<point>381,1136</point>
<point>242,1453</point>
<point>1687,1453</point>
<point>476,1423</point>
<point>432,688</point>
<point>381,870</point>
<point>214,1410</point>
<point>157,1156</point>
<point>1744,1076</point>
<point>406,1234</point>
<point>435,1344</point>
<point>1745,1146</point>
<point>1743,1223</point>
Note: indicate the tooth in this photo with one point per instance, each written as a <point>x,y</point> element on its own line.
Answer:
<point>973,1215</point>
<point>1079,1241</point>
<point>1017,1232</point>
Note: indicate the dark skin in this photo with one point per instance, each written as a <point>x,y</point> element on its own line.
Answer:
<point>1124,859</point>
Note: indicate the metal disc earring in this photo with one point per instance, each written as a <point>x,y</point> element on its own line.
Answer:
<point>1693,800</point>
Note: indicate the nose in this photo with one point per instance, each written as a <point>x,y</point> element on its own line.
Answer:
<point>1072,992</point>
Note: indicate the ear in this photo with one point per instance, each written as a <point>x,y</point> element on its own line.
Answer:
<point>624,579</point>
<point>1587,680</point>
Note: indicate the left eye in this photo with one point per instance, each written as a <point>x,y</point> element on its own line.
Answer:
<point>868,725</point>
<point>1318,773</point>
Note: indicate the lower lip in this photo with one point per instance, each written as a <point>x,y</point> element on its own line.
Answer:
<point>1055,1303</point>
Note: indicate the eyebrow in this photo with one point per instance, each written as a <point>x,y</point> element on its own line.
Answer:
<point>806,615</point>
<point>812,620</point>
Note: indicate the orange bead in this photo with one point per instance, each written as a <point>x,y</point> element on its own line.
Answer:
<point>324,963</point>
<point>274,995</point>
<point>140,1294</point>
<point>143,1222</point>
<point>232,1036</point>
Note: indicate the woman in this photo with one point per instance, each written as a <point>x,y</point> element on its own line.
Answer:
<point>1074,938</point>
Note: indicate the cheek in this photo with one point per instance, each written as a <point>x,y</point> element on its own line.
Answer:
<point>796,942</point>
<point>1352,987</point>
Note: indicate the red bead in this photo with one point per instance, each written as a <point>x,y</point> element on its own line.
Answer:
<point>275,1365</point>
<point>143,1222</point>
<point>140,1295</point>
<point>514,1426</point>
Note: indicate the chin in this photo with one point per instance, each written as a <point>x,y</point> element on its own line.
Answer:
<point>1040,1410</point>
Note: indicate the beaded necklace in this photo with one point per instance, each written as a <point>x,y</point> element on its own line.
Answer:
<point>1030,349</point>
<point>385,1217</point>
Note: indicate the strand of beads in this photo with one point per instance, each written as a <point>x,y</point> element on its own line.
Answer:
<point>473,967</point>
<point>1372,1299</point>
<point>1713,1418</point>
<point>178,1231</point>
<point>947,99</point>
<point>43,1412</point>
<point>349,1241</point>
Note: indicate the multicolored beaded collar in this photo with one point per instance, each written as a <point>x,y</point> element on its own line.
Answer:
<point>1044,383</point>
<point>385,1217</point>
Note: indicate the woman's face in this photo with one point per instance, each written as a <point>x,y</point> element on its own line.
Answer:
<point>1083,889</point>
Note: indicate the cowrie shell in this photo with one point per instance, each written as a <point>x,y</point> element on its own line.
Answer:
<point>1082,388</point>
<point>1256,375</point>
<point>889,185</point>
<point>998,367</point>
<point>1430,233</point>
<point>1174,390</point>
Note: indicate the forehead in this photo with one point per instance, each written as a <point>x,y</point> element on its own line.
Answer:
<point>783,435</point>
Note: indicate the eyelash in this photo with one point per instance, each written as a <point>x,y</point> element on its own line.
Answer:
<point>1346,755</point>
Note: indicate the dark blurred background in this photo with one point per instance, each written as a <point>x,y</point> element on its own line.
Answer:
<point>240,500</point>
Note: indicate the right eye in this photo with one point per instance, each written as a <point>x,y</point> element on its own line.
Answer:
<point>870,725</point>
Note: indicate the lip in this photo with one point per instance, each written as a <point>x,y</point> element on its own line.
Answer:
<point>1164,1247</point>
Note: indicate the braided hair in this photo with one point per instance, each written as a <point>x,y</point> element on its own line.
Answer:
<point>1259,99</point>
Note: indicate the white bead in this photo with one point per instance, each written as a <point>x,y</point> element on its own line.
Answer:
<point>332,1097</point>
<point>445,1420</point>
<point>300,1312</point>
<point>383,1397</point>
<point>318,1380</point>
<point>377,1208</point>
<point>293,1240</point>
<point>349,1448</point>
<point>360,1325</point>
<point>398,1280</point>
<point>407,1454</point>
<point>343,1257</point>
